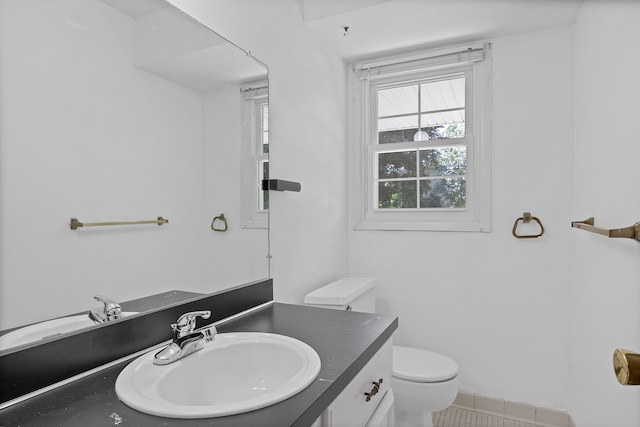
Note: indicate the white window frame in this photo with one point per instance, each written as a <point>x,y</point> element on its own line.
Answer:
<point>475,63</point>
<point>253,97</point>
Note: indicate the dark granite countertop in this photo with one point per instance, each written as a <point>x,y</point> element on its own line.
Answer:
<point>345,341</point>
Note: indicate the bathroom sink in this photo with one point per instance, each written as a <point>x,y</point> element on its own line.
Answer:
<point>47,329</point>
<point>235,373</point>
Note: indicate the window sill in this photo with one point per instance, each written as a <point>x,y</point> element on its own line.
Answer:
<point>256,223</point>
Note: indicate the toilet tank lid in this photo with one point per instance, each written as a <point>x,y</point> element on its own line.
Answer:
<point>340,292</point>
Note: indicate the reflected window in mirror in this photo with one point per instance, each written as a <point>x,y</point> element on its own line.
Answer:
<point>262,157</point>
<point>255,122</point>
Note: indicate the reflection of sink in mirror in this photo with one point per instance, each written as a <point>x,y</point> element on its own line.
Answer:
<point>48,329</point>
<point>235,373</point>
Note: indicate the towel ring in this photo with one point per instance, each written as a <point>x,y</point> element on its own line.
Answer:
<point>222,219</point>
<point>526,218</point>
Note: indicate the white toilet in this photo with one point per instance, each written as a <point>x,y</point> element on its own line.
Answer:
<point>422,381</point>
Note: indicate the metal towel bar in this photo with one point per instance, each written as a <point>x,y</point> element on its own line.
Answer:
<point>75,224</point>
<point>632,232</point>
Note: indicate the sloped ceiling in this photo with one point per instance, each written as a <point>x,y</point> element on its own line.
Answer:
<point>381,26</point>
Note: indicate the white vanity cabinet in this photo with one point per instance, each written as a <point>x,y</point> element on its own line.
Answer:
<point>352,409</point>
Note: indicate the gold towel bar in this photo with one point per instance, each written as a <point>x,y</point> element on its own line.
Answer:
<point>632,232</point>
<point>75,223</point>
<point>526,217</point>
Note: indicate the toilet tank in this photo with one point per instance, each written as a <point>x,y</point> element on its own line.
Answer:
<point>349,293</point>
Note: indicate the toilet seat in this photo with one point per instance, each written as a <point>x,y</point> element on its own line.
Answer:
<point>422,366</point>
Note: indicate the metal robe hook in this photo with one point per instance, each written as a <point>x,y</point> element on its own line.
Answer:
<point>222,219</point>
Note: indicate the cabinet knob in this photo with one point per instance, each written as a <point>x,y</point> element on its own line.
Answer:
<point>626,365</point>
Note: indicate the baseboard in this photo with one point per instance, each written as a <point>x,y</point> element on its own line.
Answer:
<point>523,412</point>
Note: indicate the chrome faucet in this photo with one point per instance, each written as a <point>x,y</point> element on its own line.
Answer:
<point>186,339</point>
<point>111,310</point>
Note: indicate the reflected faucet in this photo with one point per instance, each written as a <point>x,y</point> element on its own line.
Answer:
<point>111,310</point>
<point>186,339</point>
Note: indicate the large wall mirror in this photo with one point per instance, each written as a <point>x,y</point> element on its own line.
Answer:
<point>124,111</point>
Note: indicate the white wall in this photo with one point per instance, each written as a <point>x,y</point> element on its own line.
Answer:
<point>605,294</point>
<point>496,304</point>
<point>307,87</point>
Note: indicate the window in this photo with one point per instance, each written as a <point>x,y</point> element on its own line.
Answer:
<point>425,157</point>
<point>256,147</point>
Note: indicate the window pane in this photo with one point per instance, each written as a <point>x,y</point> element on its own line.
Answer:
<point>264,127</point>
<point>263,197</point>
<point>443,193</point>
<point>448,161</point>
<point>401,164</point>
<point>441,112</point>
<point>397,194</point>
<point>444,125</point>
<point>397,129</point>
<point>411,134</point>
<point>398,100</point>
<point>442,95</point>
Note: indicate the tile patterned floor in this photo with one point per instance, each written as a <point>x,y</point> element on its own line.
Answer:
<point>458,417</point>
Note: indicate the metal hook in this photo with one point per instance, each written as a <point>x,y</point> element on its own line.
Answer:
<point>219,218</point>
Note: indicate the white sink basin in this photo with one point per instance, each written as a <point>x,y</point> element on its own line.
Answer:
<point>47,329</point>
<point>235,373</point>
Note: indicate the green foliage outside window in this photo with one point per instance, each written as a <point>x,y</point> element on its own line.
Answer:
<point>426,177</point>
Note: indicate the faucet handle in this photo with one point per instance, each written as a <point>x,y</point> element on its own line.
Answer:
<point>111,311</point>
<point>187,322</point>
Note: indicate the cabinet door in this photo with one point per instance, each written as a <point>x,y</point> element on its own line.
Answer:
<point>383,417</point>
<point>352,408</point>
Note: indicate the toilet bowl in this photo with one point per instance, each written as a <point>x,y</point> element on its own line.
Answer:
<point>422,381</point>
